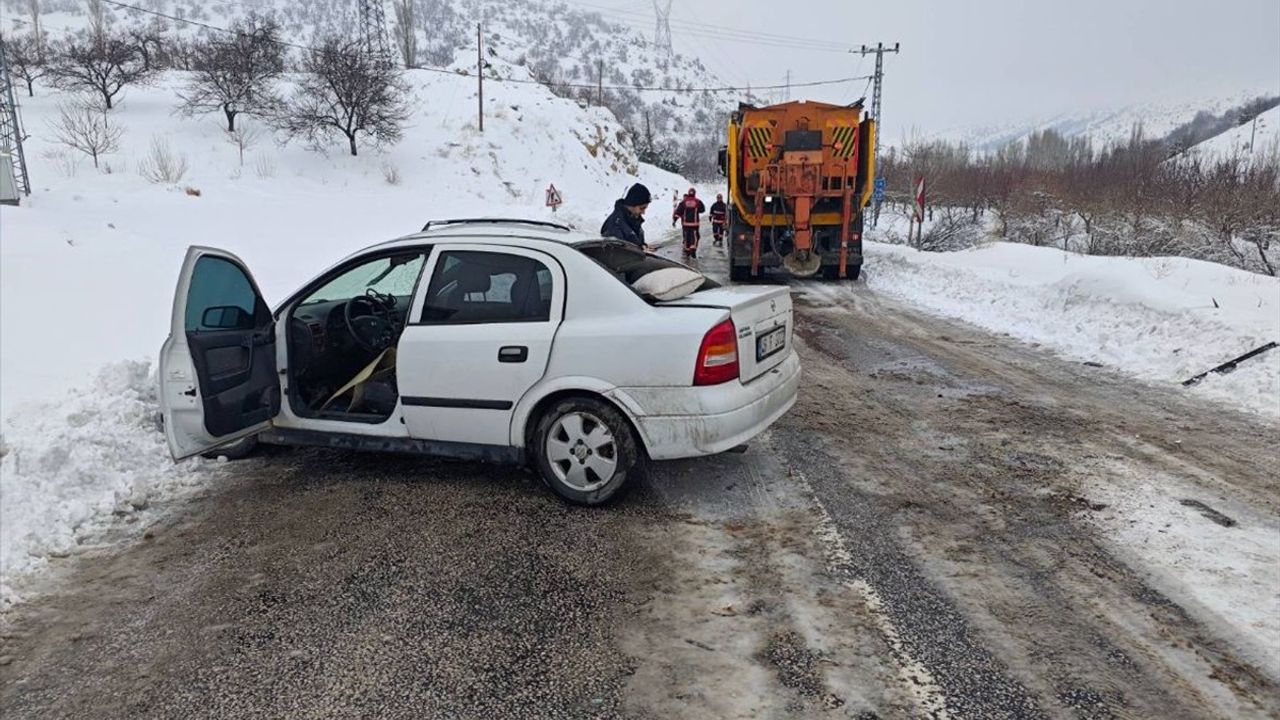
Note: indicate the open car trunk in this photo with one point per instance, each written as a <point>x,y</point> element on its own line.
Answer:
<point>630,263</point>
<point>761,313</point>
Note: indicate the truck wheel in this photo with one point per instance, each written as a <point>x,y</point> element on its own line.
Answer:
<point>832,272</point>
<point>585,451</point>
<point>739,273</point>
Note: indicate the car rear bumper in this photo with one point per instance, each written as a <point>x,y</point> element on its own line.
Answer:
<point>692,421</point>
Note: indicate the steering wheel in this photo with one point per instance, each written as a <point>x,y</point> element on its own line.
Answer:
<point>369,320</point>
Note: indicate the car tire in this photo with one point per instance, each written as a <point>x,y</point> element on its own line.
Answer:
<point>238,450</point>
<point>578,440</point>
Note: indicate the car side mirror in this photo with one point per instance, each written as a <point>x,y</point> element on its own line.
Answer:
<point>722,161</point>
<point>226,317</point>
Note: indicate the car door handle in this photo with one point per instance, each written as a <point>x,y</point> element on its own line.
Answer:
<point>513,354</point>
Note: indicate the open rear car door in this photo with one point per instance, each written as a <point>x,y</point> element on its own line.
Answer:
<point>218,380</point>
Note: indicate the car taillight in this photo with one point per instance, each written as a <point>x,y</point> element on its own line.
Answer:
<point>718,356</point>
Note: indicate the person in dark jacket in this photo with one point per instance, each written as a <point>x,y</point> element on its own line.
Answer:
<point>719,218</point>
<point>690,213</point>
<point>626,222</point>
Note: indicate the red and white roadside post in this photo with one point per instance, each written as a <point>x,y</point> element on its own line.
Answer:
<point>917,212</point>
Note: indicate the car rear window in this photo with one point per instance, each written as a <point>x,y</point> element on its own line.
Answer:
<point>629,263</point>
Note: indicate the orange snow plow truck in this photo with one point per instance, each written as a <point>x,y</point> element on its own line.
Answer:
<point>800,174</point>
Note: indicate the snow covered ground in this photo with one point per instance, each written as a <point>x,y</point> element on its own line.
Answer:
<point>1160,319</point>
<point>88,265</point>
<point>1231,570</point>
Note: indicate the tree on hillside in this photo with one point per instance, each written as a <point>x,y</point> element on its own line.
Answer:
<point>37,29</point>
<point>346,92</point>
<point>26,61</point>
<point>149,40</point>
<point>236,76</point>
<point>104,67</point>
<point>83,126</point>
<point>97,21</point>
<point>406,31</point>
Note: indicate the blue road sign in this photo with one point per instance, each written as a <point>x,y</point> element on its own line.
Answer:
<point>878,193</point>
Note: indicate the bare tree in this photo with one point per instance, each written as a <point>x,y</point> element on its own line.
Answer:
<point>243,137</point>
<point>97,22</point>
<point>406,32</point>
<point>104,68</point>
<point>162,165</point>
<point>349,93</point>
<point>25,60</point>
<point>236,76</point>
<point>37,29</point>
<point>82,126</point>
<point>149,40</point>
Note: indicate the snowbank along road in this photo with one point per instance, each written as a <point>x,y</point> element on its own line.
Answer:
<point>944,526</point>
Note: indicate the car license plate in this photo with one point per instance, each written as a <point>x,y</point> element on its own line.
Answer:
<point>771,342</point>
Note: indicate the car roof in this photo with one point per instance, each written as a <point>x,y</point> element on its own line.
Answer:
<point>499,231</point>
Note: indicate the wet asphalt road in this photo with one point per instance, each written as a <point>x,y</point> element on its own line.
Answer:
<point>909,541</point>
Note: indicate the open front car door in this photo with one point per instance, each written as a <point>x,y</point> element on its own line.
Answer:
<point>218,380</point>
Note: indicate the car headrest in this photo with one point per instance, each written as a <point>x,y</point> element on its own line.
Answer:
<point>475,283</point>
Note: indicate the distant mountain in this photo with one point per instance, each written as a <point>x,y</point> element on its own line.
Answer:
<point>1183,123</point>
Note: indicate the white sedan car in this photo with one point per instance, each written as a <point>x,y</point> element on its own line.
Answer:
<point>499,340</point>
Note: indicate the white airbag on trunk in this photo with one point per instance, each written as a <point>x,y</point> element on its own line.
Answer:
<point>668,283</point>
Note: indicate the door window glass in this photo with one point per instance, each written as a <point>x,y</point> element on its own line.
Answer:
<point>221,297</point>
<point>485,287</point>
<point>395,275</point>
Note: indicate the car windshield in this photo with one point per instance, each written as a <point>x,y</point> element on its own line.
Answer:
<point>393,275</point>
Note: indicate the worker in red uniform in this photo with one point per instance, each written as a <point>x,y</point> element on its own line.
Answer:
<point>690,214</point>
<point>719,218</point>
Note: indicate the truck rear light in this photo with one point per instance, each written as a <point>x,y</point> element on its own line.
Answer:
<point>718,356</point>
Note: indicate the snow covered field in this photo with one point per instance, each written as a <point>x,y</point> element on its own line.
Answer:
<point>1160,319</point>
<point>88,266</point>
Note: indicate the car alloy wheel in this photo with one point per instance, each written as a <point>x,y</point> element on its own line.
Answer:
<point>582,451</point>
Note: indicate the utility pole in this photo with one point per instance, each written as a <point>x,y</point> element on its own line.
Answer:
<point>11,129</point>
<point>600,83</point>
<point>878,79</point>
<point>787,93</point>
<point>480,72</point>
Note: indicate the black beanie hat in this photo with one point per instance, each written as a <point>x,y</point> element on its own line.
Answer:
<point>636,196</point>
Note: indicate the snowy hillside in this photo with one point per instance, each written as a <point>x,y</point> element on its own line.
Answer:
<point>1105,127</point>
<point>1258,139</point>
<point>564,46</point>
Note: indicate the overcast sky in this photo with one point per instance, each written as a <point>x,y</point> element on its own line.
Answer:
<point>975,62</point>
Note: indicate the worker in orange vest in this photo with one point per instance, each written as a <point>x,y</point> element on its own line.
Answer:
<point>689,213</point>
